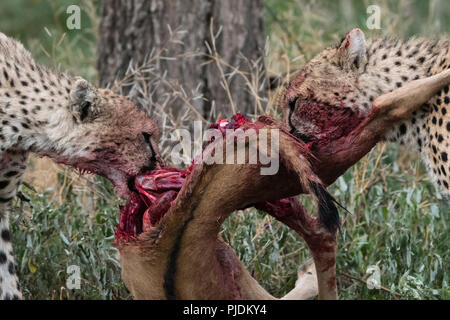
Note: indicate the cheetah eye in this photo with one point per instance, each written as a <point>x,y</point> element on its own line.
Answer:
<point>84,110</point>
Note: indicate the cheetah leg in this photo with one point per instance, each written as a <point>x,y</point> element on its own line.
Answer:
<point>12,167</point>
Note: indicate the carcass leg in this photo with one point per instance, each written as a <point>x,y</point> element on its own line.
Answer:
<point>306,284</point>
<point>321,243</point>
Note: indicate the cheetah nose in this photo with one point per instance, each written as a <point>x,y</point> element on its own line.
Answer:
<point>154,162</point>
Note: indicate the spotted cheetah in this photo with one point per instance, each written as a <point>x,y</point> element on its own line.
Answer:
<point>335,90</point>
<point>69,120</point>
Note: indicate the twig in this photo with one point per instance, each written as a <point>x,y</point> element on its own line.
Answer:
<point>219,60</point>
<point>365,282</point>
<point>261,251</point>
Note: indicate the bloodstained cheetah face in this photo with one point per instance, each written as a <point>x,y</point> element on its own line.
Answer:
<point>324,100</point>
<point>106,135</point>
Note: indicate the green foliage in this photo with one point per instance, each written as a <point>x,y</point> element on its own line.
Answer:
<point>398,224</point>
<point>41,26</point>
<point>49,237</point>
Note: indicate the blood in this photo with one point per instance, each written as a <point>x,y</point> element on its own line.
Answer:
<point>347,44</point>
<point>130,218</point>
<point>331,122</point>
<point>156,191</point>
<point>236,122</point>
<point>156,211</point>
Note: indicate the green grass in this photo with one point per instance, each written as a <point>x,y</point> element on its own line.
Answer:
<point>41,26</point>
<point>399,221</point>
<point>49,237</point>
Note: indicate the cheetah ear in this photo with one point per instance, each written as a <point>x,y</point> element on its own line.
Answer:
<point>351,53</point>
<point>83,96</point>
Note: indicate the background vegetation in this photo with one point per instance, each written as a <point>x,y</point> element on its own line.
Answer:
<point>399,221</point>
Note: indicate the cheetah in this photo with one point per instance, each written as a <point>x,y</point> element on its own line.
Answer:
<point>69,120</point>
<point>334,91</point>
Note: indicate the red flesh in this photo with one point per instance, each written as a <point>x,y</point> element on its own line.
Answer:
<point>332,122</point>
<point>158,189</point>
<point>130,218</point>
<point>156,211</point>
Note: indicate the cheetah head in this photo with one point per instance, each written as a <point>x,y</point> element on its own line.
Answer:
<point>324,100</point>
<point>103,133</point>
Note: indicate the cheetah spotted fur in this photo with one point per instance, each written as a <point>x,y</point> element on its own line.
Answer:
<point>69,120</point>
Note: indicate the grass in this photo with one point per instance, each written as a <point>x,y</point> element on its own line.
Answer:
<point>399,222</point>
<point>50,237</point>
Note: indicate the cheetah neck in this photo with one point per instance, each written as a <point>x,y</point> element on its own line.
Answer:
<point>392,63</point>
<point>34,107</point>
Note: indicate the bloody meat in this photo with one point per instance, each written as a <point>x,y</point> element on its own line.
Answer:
<point>157,189</point>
